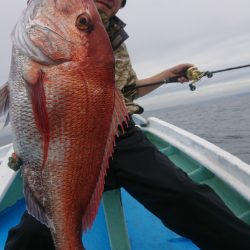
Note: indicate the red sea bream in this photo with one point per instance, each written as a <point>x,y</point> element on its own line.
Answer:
<point>64,111</point>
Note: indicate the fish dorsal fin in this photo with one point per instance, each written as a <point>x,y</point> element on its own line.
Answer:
<point>4,102</point>
<point>120,120</point>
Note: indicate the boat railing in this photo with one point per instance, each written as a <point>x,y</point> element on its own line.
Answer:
<point>4,150</point>
<point>7,175</point>
<point>226,166</point>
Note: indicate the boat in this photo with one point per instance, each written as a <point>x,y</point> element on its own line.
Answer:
<point>122,223</point>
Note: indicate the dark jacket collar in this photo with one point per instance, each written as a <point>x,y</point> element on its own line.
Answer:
<point>116,32</point>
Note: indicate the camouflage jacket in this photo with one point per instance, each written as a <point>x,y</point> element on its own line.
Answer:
<point>124,74</point>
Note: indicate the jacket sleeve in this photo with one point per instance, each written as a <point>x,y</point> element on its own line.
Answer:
<point>125,76</point>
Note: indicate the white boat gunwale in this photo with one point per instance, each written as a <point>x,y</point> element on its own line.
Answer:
<point>226,166</point>
<point>7,175</point>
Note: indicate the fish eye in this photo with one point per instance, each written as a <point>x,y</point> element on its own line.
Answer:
<point>83,22</point>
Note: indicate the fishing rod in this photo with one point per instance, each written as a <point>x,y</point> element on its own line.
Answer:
<point>209,74</point>
<point>192,74</point>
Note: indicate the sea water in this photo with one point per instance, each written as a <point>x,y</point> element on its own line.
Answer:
<point>222,121</point>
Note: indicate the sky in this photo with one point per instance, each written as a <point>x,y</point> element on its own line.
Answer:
<point>211,34</point>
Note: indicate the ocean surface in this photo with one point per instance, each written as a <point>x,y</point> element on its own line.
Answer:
<point>222,121</point>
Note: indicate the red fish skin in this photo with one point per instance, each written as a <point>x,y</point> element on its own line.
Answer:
<point>83,111</point>
<point>78,136</point>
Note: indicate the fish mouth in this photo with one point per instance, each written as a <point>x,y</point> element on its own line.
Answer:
<point>108,5</point>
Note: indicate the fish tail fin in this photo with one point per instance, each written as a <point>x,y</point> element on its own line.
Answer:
<point>120,119</point>
<point>4,103</point>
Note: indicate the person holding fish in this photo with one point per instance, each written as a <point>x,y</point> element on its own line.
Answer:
<point>192,210</point>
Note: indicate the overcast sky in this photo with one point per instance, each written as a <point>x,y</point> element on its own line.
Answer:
<point>212,34</point>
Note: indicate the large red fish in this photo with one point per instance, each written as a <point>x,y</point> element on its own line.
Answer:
<point>65,112</point>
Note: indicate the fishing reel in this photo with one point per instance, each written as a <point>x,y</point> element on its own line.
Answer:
<point>194,75</point>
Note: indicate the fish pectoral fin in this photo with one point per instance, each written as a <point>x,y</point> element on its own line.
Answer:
<point>51,44</point>
<point>39,105</point>
<point>4,103</point>
<point>32,72</point>
<point>35,81</point>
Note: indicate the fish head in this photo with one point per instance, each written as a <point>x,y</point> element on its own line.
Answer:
<point>56,31</point>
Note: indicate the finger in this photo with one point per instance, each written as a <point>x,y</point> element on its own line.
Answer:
<point>182,79</point>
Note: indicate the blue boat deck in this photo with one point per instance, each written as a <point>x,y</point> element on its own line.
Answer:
<point>145,230</point>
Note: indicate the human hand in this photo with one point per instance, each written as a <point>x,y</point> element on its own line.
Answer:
<point>179,72</point>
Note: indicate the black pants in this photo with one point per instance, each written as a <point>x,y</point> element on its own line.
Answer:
<point>190,209</point>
